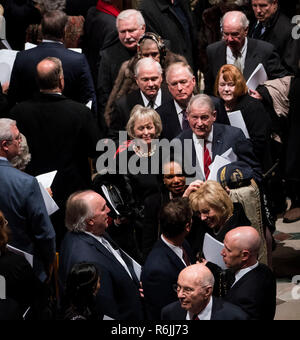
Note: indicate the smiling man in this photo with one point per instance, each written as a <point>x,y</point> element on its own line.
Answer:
<point>210,139</point>
<point>87,220</point>
<point>194,290</point>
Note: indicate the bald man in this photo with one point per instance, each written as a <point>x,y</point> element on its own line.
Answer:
<point>61,134</point>
<point>194,290</point>
<point>254,288</point>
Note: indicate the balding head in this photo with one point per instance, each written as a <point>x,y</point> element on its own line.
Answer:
<point>50,75</point>
<point>194,287</point>
<point>241,248</point>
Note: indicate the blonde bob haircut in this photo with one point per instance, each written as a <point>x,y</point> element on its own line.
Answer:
<point>141,112</point>
<point>232,73</point>
<point>211,193</point>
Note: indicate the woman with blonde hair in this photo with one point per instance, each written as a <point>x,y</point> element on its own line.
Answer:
<point>215,212</point>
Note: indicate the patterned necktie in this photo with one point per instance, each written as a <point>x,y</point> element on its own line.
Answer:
<point>257,31</point>
<point>238,62</point>
<point>151,103</point>
<point>185,122</point>
<point>185,257</point>
<point>195,317</point>
<point>207,160</point>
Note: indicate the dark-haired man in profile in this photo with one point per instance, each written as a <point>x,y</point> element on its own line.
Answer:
<point>169,256</point>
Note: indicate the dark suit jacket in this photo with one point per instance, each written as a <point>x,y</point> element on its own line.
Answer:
<point>255,293</point>
<point>279,33</point>
<point>78,80</point>
<point>224,138</point>
<point>257,52</point>
<point>97,26</point>
<point>61,135</point>
<point>3,104</point>
<point>162,19</point>
<point>170,121</point>
<point>23,206</point>
<point>221,310</point>
<point>159,273</point>
<point>79,7</point>
<point>124,105</point>
<point>118,296</point>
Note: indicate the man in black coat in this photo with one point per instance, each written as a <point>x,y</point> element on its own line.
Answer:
<point>61,135</point>
<point>148,75</point>
<point>254,286</point>
<point>77,76</point>
<point>276,28</point>
<point>245,53</point>
<point>194,290</point>
<point>131,26</point>
<point>170,254</point>
<point>173,21</point>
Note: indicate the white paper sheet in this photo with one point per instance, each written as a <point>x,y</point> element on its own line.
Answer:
<point>218,163</point>
<point>50,204</point>
<point>107,197</point>
<point>258,77</point>
<point>212,251</point>
<point>47,178</point>
<point>7,59</point>
<point>27,256</point>
<point>236,119</point>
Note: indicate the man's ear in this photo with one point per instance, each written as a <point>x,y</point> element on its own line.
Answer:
<point>214,114</point>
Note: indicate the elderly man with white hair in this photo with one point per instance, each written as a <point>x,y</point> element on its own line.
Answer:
<point>237,49</point>
<point>148,76</point>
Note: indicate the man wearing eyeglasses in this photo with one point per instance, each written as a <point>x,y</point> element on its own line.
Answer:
<point>243,52</point>
<point>22,203</point>
<point>194,290</point>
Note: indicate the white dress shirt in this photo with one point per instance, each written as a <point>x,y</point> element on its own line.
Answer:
<point>231,58</point>
<point>177,250</point>
<point>243,272</point>
<point>199,147</point>
<point>204,315</point>
<point>157,101</point>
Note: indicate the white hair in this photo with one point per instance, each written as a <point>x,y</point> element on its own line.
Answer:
<point>238,14</point>
<point>147,62</point>
<point>5,128</point>
<point>125,15</point>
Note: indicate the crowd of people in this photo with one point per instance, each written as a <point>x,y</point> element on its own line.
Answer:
<point>160,142</point>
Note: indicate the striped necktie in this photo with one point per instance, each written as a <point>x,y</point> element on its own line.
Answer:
<point>207,160</point>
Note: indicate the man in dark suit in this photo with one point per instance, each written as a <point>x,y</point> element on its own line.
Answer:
<point>276,28</point>
<point>148,75</point>
<point>194,290</point>
<point>181,84</point>
<point>169,256</point>
<point>254,288</point>
<point>99,23</point>
<point>173,21</point>
<point>245,53</point>
<point>61,134</point>
<point>208,139</point>
<point>22,204</point>
<point>78,80</point>
<point>131,26</point>
<point>87,220</point>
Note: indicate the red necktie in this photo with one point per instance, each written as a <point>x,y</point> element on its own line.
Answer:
<point>207,160</point>
<point>195,317</point>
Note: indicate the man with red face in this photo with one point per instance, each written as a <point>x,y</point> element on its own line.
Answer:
<point>205,139</point>
<point>274,27</point>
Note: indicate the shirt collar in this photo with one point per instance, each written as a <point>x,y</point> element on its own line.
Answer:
<point>3,159</point>
<point>209,138</point>
<point>243,50</point>
<point>243,272</point>
<point>157,101</point>
<point>205,314</point>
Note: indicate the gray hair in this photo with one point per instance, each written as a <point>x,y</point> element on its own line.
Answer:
<point>5,128</point>
<point>201,100</point>
<point>139,112</point>
<point>21,160</point>
<point>125,15</point>
<point>147,62</point>
<point>243,19</point>
<point>51,5</point>
<point>77,212</point>
<point>180,64</point>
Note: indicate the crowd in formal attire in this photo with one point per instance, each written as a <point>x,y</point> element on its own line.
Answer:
<point>134,121</point>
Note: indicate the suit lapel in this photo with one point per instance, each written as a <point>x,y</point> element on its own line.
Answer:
<point>173,257</point>
<point>217,145</point>
<point>251,60</point>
